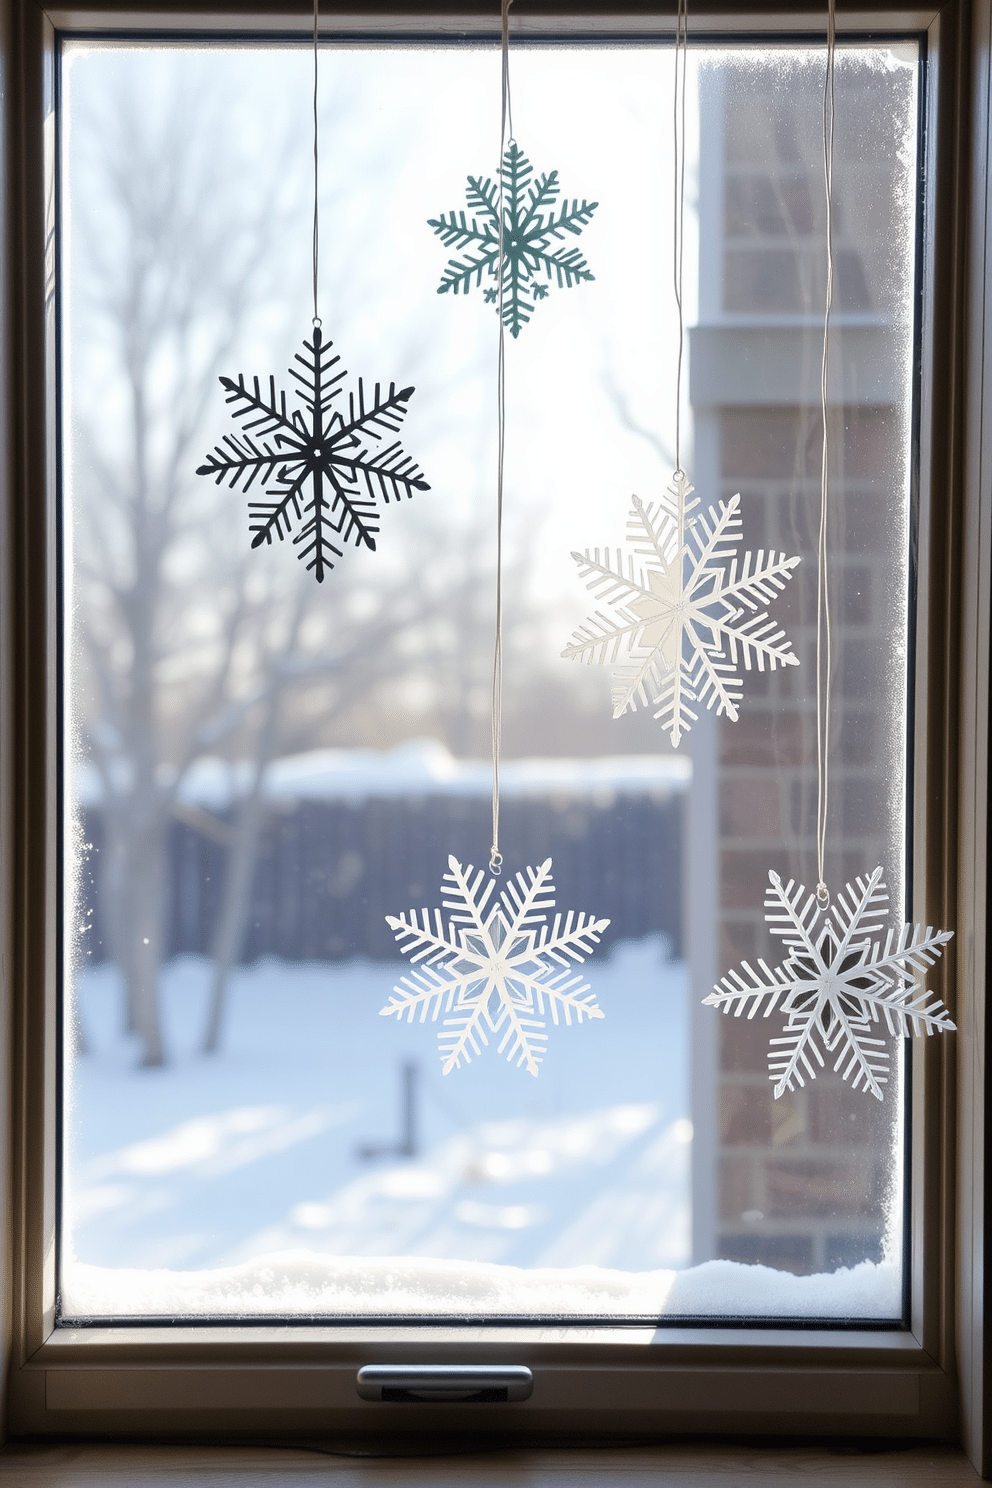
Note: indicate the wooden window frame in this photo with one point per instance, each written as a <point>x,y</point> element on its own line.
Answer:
<point>925,1382</point>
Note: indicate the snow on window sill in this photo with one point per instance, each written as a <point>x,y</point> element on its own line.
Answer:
<point>307,1284</point>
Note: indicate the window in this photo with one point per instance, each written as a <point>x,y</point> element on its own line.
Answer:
<point>897,1383</point>
<point>194,667</point>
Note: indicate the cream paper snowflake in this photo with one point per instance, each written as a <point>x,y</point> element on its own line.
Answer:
<point>496,968</point>
<point>838,985</point>
<point>683,617</point>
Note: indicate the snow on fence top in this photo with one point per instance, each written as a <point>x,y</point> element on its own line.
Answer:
<point>422,767</point>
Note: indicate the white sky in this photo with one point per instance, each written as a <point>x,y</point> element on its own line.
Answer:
<point>400,134</point>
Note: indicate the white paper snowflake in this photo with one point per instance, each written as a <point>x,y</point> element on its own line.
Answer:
<point>838,984</point>
<point>682,616</point>
<point>496,968</point>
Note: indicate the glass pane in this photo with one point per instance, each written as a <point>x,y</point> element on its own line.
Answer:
<point>260,769</point>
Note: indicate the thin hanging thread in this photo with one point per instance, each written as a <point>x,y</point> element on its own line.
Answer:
<point>678,215</point>
<point>506,120</point>
<point>316,221</point>
<point>823,636</point>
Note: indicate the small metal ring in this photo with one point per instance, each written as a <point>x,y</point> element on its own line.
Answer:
<point>317,322</point>
<point>822,895</point>
<point>495,862</point>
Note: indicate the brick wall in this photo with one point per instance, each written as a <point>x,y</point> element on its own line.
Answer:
<point>805,1182</point>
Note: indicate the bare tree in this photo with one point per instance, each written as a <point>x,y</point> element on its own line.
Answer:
<point>186,643</point>
<point>164,268</point>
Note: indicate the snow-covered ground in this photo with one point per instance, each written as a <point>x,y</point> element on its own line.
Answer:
<point>213,1160</point>
<point>235,1183</point>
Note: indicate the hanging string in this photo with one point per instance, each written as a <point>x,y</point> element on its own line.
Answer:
<point>678,215</point>
<point>506,122</point>
<point>316,223</point>
<point>823,636</point>
<point>506,133</point>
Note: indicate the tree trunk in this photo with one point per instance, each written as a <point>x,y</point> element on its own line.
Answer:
<point>149,870</point>
<point>242,854</point>
<point>241,859</point>
<point>115,906</point>
<point>134,892</point>
<point>232,920</point>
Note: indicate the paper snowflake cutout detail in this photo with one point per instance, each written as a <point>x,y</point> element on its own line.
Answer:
<point>682,617</point>
<point>336,453</point>
<point>496,968</point>
<point>838,984</point>
<point>530,227</point>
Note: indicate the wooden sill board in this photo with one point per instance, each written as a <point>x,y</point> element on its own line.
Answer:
<point>675,1466</point>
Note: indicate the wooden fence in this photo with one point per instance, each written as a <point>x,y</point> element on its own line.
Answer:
<point>329,871</point>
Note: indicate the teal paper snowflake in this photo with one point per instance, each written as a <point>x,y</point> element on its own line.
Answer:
<point>531,224</point>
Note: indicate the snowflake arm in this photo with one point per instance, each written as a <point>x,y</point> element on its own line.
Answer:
<point>601,638</point>
<point>633,592</point>
<point>242,455</point>
<point>791,917</point>
<point>567,997</point>
<point>302,454</point>
<point>268,518</point>
<point>236,457</point>
<point>761,580</point>
<point>424,992</point>
<point>720,596</point>
<point>481,237</point>
<point>750,991</point>
<point>571,941</point>
<point>348,515</point>
<point>465,1037</point>
<point>397,474</point>
<point>761,991</point>
<point>495,966</point>
<point>907,955</point>
<point>858,1054</point>
<point>838,984</point>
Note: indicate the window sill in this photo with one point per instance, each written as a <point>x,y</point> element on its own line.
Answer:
<point>276,1343</point>
<point>80,1466</point>
<point>252,1382</point>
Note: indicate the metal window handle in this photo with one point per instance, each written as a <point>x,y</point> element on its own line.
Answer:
<point>470,1384</point>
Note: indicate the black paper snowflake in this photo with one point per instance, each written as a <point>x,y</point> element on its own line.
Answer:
<point>530,227</point>
<point>336,453</point>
